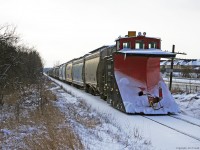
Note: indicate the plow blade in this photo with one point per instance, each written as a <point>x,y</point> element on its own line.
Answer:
<point>139,81</point>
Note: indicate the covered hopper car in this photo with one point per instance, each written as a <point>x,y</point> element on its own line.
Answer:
<point>78,72</point>
<point>126,75</point>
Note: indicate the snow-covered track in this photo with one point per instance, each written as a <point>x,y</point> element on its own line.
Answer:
<point>184,118</point>
<point>184,127</point>
<point>161,136</point>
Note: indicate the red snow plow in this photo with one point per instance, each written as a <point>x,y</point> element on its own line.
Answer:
<point>137,77</point>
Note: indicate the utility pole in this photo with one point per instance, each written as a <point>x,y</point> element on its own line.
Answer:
<point>171,69</point>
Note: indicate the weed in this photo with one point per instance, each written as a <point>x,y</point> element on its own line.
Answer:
<point>176,90</point>
<point>47,134</point>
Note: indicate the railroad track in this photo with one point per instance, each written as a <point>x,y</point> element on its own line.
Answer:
<point>185,120</point>
<point>183,126</point>
<point>177,124</point>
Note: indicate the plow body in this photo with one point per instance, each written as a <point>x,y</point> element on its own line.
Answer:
<point>140,84</point>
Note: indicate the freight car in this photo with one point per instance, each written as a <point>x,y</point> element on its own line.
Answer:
<point>126,75</point>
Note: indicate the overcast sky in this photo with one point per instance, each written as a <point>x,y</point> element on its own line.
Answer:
<point>61,30</point>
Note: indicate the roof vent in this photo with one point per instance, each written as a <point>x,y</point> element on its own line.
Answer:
<point>139,33</point>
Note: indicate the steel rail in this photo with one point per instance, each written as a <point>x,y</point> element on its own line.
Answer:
<point>186,134</point>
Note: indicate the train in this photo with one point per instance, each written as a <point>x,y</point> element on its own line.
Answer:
<point>126,75</point>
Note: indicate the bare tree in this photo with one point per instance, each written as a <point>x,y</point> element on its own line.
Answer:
<point>18,64</point>
<point>8,55</point>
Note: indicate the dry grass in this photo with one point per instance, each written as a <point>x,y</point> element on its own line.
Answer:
<point>11,99</point>
<point>50,129</point>
<point>53,136</point>
<point>75,126</point>
<point>176,90</point>
<point>86,119</point>
<point>48,95</point>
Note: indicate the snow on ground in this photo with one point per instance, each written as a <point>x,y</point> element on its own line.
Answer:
<point>97,130</point>
<point>189,104</point>
<point>183,80</point>
<point>105,136</point>
<point>12,134</point>
<point>160,136</point>
<point>107,128</point>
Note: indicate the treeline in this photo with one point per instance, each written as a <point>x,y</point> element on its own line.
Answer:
<point>19,64</point>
